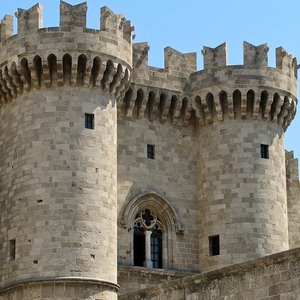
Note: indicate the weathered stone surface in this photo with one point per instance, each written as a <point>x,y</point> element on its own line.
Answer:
<point>272,277</point>
<point>70,196</point>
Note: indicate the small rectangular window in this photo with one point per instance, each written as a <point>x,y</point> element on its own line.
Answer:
<point>214,245</point>
<point>12,249</point>
<point>264,151</point>
<point>150,151</point>
<point>89,121</point>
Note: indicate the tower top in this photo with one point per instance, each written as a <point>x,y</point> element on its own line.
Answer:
<point>112,47</point>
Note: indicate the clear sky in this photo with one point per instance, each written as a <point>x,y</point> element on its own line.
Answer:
<point>191,24</point>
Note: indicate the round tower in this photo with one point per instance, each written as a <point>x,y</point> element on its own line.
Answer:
<point>59,89</point>
<point>243,112</point>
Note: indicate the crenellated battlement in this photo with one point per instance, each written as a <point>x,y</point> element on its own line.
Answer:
<point>72,18</point>
<point>69,55</point>
<point>74,55</point>
<point>255,56</point>
<point>29,21</point>
<point>6,28</point>
<point>286,62</point>
<point>63,69</point>
<point>116,24</point>
<point>215,57</point>
<point>112,40</point>
<point>252,91</point>
<point>72,15</point>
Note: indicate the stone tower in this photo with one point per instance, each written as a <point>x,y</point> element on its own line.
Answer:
<point>243,112</point>
<point>95,144</point>
<point>59,89</point>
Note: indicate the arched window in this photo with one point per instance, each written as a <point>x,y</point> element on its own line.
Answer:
<point>147,240</point>
<point>152,225</point>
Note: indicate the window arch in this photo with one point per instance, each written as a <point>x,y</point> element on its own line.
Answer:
<point>152,224</point>
<point>148,240</point>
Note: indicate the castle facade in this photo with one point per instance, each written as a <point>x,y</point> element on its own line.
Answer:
<point>116,176</point>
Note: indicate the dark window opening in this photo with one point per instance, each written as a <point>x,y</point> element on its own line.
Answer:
<point>214,245</point>
<point>156,248</point>
<point>264,151</point>
<point>150,151</point>
<point>139,246</point>
<point>89,121</point>
<point>12,249</point>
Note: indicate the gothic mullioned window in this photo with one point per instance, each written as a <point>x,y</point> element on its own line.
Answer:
<point>147,240</point>
<point>152,225</point>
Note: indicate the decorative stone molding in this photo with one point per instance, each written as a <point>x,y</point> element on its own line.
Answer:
<point>150,200</point>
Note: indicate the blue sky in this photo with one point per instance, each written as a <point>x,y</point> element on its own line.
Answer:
<point>191,24</point>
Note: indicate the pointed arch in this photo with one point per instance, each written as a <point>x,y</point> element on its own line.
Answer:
<point>263,102</point>
<point>95,71</point>
<point>184,109</point>
<point>250,104</point>
<point>150,107</point>
<point>37,66</point>
<point>81,69</point>
<point>237,103</point>
<point>274,107</point>
<point>127,100</point>
<point>145,217</point>
<point>173,108</point>
<point>67,68</point>
<point>26,73</point>
<point>140,95</point>
<point>151,200</point>
<point>52,66</point>
<point>108,71</point>
<point>210,102</point>
<point>223,103</point>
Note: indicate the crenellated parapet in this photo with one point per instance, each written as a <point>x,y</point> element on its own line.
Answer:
<point>70,54</point>
<point>116,24</point>
<point>6,28</point>
<point>255,56</point>
<point>29,21</point>
<point>72,15</point>
<point>252,91</point>
<point>178,67</point>
<point>248,92</point>
<point>215,57</point>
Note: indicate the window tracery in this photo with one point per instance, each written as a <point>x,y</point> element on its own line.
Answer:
<point>148,220</point>
<point>148,239</point>
<point>152,225</point>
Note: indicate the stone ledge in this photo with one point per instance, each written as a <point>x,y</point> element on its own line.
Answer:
<point>134,269</point>
<point>212,280</point>
<point>58,280</point>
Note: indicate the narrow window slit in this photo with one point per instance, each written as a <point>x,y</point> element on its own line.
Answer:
<point>214,245</point>
<point>264,151</point>
<point>89,121</point>
<point>150,151</point>
<point>12,249</point>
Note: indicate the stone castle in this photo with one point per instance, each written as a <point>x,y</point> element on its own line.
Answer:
<point>121,180</point>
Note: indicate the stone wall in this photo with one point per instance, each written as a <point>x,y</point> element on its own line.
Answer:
<point>132,278</point>
<point>273,277</point>
<point>171,176</point>
<point>242,195</point>
<point>58,187</point>
<point>59,290</point>
<point>293,203</point>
